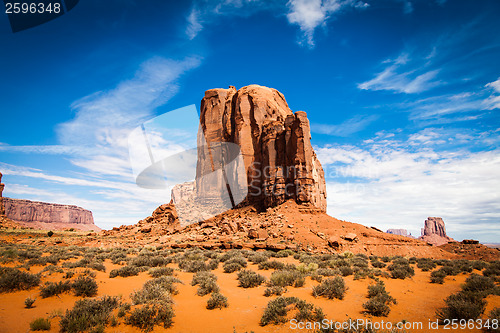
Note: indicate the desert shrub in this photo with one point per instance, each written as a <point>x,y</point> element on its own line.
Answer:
<point>400,268</point>
<point>206,282</point>
<point>12,279</point>
<point>478,283</point>
<point>68,275</point>
<point>149,260</point>
<point>274,290</point>
<point>284,253</point>
<point>124,271</point>
<point>87,314</point>
<point>257,258</point>
<point>97,265</point>
<point>378,264</point>
<point>463,305</point>
<point>479,265</point>
<point>359,262</point>
<point>286,278</point>
<point>84,286</point>
<point>385,259</point>
<point>40,324</point>
<point>331,288</point>
<point>149,315</point>
<point>52,269</point>
<point>327,272</point>
<point>426,264</point>
<point>346,270</point>
<point>276,311</point>
<point>339,263</point>
<point>271,264</point>
<point>165,282</point>
<point>158,289</point>
<point>493,269</point>
<point>450,269</point>
<point>234,264</point>
<point>249,279</point>
<point>438,276</point>
<point>28,302</point>
<point>306,269</point>
<point>54,288</point>
<point>494,315</point>
<point>379,300</point>
<point>161,271</point>
<point>217,300</point>
<point>193,266</point>
<point>50,233</point>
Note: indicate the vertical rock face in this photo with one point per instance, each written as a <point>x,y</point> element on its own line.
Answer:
<point>275,143</point>
<point>39,214</point>
<point>2,208</point>
<point>434,226</point>
<point>434,232</point>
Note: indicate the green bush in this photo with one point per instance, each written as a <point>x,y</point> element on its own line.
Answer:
<point>378,264</point>
<point>52,289</point>
<point>401,269</point>
<point>124,271</point>
<point>494,315</point>
<point>161,271</point>
<point>379,300</point>
<point>493,269</point>
<point>249,279</point>
<point>158,289</point>
<point>28,302</point>
<point>12,279</point>
<point>149,315</point>
<point>426,264</point>
<point>463,305</point>
<point>331,288</point>
<point>285,278</point>
<point>438,276</point>
<point>275,290</point>
<point>207,283</point>
<point>84,286</point>
<point>40,324</point>
<point>305,269</point>
<point>276,311</point>
<point>377,307</point>
<point>257,258</point>
<point>346,270</point>
<point>234,264</point>
<point>478,283</point>
<point>271,264</point>
<point>87,314</point>
<point>217,300</point>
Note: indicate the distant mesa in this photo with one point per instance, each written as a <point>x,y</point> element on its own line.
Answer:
<point>434,232</point>
<point>400,232</point>
<point>43,215</point>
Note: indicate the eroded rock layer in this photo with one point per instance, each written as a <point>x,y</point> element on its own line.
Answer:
<point>275,143</point>
<point>434,232</point>
<point>45,215</point>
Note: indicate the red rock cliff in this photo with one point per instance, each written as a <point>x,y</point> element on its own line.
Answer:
<point>275,144</point>
<point>48,215</point>
<point>2,208</point>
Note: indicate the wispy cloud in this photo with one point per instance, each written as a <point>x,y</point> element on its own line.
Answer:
<point>493,101</point>
<point>398,183</point>
<point>400,77</point>
<point>310,14</point>
<point>346,128</point>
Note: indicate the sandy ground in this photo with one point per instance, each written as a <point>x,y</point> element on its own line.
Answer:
<point>417,301</point>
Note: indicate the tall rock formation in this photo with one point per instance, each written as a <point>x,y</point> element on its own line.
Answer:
<point>279,162</point>
<point>44,215</point>
<point>434,232</point>
<point>2,207</point>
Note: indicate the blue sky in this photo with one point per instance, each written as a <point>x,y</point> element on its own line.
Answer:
<point>403,99</point>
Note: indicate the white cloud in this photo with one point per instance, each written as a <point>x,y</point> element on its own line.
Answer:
<point>310,14</point>
<point>397,184</point>
<point>408,82</point>
<point>346,128</point>
<point>493,101</point>
<point>194,25</point>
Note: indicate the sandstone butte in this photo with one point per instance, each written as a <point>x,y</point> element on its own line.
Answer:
<point>270,135</point>
<point>15,213</point>
<point>434,232</point>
